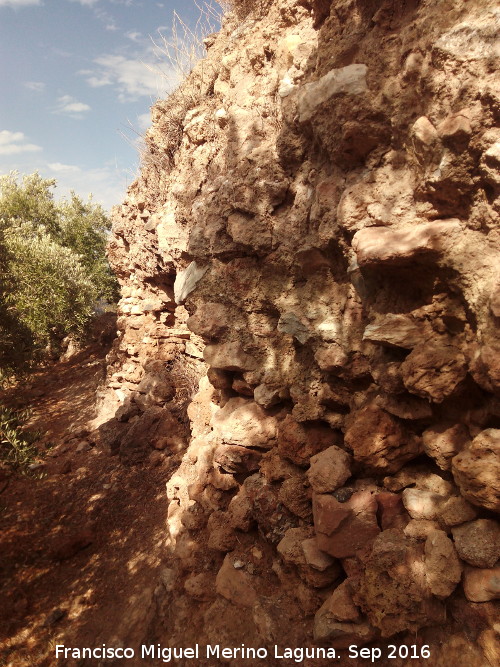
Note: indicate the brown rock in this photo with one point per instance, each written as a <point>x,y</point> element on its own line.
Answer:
<point>296,496</point>
<point>476,470</point>
<point>235,459</point>
<point>443,441</point>
<point>221,534</point>
<point>219,379</point>
<point>240,511</point>
<point>343,529</point>
<point>340,604</point>
<point>455,130</point>
<point>242,387</point>
<point>290,547</point>
<point>229,357</point>
<point>331,358</point>
<point>299,441</point>
<point>478,542</point>
<point>482,585</point>
<point>395,331</point>
<point>404,406</point>
<point>382,245</point>
<point>243,422</point>
<point>291,550</point>
<point>485,367</point>
<point>456,510</point>
<point>391,512</point>
<point>234,584</point>
<point>379,442</point>
<point>442,566</point>
<point>433,370</point>
<point>200,586</point>
<point>267,396</point>
<point>210,321</point>
<point>420,529</point>
<point>329,469</point>
<point>422,504</point>
<point>393,589</point>
<point>315,558</point>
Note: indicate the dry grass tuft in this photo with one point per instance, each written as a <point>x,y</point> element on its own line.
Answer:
<point>242,8</point>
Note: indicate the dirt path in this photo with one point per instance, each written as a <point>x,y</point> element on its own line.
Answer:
<point>80,546</point>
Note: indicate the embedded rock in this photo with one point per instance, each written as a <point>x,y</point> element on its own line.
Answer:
<point>478,542</point>
<point>379,245</point>
<point>299,441</point>
<point>433,371</point>
<point>444,441</point>
<point>482,585</point>
<point>395,331</point>
<point>329,470</point>
<point>380,442</point>
<point>343,529</point>
<point>234,584</point>
<point>242,422</point>
<point>477,470</point>
<point>349,80</point>
<point>229,357</point>
<point>442,566</point>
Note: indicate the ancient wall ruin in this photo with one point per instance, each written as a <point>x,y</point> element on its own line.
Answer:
<point>314,237</point>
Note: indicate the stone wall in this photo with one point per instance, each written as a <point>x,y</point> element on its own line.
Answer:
<point>314,237</point>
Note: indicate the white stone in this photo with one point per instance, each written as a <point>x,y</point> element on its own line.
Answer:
<point>350,80</point>
<point>187,280</point>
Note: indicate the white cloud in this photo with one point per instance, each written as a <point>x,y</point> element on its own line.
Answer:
<point>87,3</point>
<point>107,183</point>
<point>58,167</point>
<point>37,86</point>
<point>13,143</point>
<point>133,78</point>
<point>144,120</point>
<point>70,106</point>
<point>134,35</point>
<point>19,3</point>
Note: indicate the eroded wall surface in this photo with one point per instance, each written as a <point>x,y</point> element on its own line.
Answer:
<point>314,237</point>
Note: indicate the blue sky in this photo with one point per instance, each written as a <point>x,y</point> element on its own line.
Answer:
<point>77,80</point>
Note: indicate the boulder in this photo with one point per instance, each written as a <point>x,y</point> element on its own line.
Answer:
<point>343,529</point>
<point>210,321</point>
<point>229,357</point>
<point>379,442</point>
<point>482,585</point>
<point>235,585</point>
<point>433,370</point>
<point>478,542</point>
<point>443,441</point>
<point>349,80</point>
<point>442,566</point>
<point>243,422</point>
<point>476,470</point>
<point>298,441</point>
<point>329,469</point>
<point>395,330</point>
<point>383,245</point>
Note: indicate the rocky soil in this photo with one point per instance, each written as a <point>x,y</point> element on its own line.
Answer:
<point>308,334</point>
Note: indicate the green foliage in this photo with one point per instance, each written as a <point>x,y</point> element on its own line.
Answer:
<point>16,444</point>
<point>53,268</point>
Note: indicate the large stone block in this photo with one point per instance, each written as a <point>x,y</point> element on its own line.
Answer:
<point>383,245</point>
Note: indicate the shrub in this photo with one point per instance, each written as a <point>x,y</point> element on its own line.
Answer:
<point>52,268</point>
<point>16,444</point>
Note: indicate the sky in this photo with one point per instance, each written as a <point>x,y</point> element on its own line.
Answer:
<point>77,80</point>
